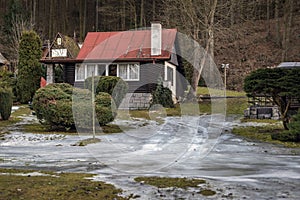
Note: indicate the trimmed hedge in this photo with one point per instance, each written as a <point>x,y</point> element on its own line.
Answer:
<point>53,105</point>
<point>6,101</point>
<point>60,106</point>
<point>88,83</point>
<point>105,108</point>
<point>115,86</point>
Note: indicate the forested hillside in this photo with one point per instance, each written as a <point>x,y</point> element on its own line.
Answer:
<point>245,34</point>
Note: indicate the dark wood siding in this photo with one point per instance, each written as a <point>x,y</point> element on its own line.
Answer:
<point>149,74</point>
<point>69,73</point>
<point>79,84</point>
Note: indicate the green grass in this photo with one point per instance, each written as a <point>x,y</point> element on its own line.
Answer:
<point>216,92</point>
<point>165,182</point>
<point>43,129</point>
<point>263,134</point>
<point>65,186</point>
<point>14,118</point>
<point>207,192</point>
<point>269,121</point>
<point>233,106</point>
<point>184,183</point>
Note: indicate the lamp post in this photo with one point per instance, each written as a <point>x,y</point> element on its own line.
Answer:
<point>225,66</point>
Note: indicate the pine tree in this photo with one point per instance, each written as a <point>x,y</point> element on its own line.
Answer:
<point>29,68</point>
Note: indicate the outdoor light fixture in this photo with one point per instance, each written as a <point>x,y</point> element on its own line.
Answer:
<point>225,66</point>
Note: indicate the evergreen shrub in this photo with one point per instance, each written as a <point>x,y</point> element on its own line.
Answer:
<point>6,101</point>
<point>29,67</point>
<point>53,105</point>
<point>105,108</point>
<point>162,95</point>
<point>291,135</point>
<point>115,86</point>
<point>88,83</point>
<point>60,106</point>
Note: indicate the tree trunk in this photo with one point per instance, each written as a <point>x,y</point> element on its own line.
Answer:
<point>123,15</point>
<point>278,38</point>
<point>50,19</point>
<point>209,50</point>
<point>142,14</point>
<point>288,18</point>
<point>232,15</point>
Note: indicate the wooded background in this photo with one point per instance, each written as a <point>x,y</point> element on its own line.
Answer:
<point>247,34</point>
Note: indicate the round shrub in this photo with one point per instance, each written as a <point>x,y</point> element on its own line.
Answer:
<point>53,105</point>
<point>6,101</point>
<point>115,86</point>
<point>82,109</point>
<point>88,83</point>
<point>105,108</point>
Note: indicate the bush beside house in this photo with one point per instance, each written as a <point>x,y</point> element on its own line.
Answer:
<point>162,95</point>
<point>115,86</point>
<point>59,105</point>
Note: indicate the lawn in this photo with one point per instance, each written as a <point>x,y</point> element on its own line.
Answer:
<point>183,183</point>
<point>20,184</point>
<point>217,92</point>
<point>14,118</point>
<point>263,134</point>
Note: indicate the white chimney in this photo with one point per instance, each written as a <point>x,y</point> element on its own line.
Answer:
<point>156,39</point>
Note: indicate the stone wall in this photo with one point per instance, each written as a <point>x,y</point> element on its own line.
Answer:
<point>255,112</point>
<point>136,101</point>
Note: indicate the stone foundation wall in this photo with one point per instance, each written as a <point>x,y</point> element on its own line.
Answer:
<point>136,101</point>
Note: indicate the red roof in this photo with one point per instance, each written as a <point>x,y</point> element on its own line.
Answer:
<point>127,45</point>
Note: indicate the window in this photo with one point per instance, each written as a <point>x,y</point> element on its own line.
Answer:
<point>90,70</point>
<point>101,71</point>
<point>80,72</point>
<point>170,75</point>
<point>134,70</point>
<point>129,72</point>
<point>112,70</point>
<point>123,71</point>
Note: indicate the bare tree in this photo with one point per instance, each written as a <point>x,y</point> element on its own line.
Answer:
<point>196,19</point>
<point>19,25</point>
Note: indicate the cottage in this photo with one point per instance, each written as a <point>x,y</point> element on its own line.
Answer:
<point>140,57</point>
<point>61,53</point>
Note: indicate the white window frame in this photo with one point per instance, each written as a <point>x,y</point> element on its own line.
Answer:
<point>95,69</point>
<point>76,74</point>
<point>96,65</point>
<point>128,71</point>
